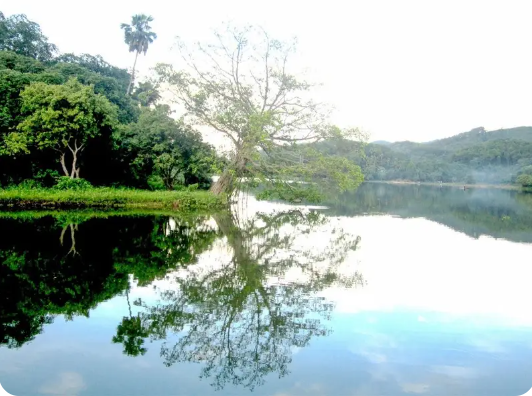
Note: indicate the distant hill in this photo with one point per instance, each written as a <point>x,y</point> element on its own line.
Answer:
<point>477,156</point>
<point>480,135</point>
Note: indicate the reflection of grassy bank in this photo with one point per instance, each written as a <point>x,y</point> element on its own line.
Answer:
<point>80,215</point>
<point>24,198</point>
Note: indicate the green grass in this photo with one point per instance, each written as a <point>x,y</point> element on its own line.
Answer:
<point>183,201</point>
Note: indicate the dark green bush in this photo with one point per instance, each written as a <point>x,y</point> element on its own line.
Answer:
<point>66,183</point>
<point>156,183</point>
<point>47,177</point>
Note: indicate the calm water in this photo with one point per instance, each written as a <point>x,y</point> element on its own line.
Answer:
<point>394,290</point>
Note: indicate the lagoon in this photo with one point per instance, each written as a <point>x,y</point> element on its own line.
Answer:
<point>392,290</point>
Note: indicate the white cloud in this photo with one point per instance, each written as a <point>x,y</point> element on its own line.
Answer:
<point>66,384</point>
<point>415,388</point>
<point>458,372</point>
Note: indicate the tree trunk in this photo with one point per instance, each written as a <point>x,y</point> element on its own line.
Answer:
<point>224,184</point>
<point>74,161</point>
<point>74,171</point>
<point>63,164</point>
<point>132,79</point>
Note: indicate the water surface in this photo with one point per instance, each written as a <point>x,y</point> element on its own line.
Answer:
<point>394,290</point>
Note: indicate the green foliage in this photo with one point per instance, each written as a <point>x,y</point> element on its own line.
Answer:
<point>98,66</point>
<point>239,85</point>
<point>472,157</point>
<point>138,36</point>
<point>525,180</point>
<point>65,183</point>
<point>60,117</point>
<point>155,182</point>
<point>131,334</point>
<point>183,201</point>
<point>29,184</point>
<point>46,177</point>
<point>234,319</point>
<point>11,84</point>
<point>159,145</point>
<point>32,140</point>
<point>24,37</point>
<point>147,94</point>
<point>49,266</point>
<point>498,213</point>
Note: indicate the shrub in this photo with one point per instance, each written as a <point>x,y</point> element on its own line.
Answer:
<point>193,187</point>
<point>30,184</point>
<point>156,183</point>
<point>47,177</point>
<point>66,183</point>
<point>525,180</point>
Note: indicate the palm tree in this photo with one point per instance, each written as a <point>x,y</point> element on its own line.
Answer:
<point>138,36</point>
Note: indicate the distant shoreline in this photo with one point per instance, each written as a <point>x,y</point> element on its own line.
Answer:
<point>459,185</point>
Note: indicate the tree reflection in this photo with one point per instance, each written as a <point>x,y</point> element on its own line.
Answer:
<point>69,263</point>
<point>243,317</point>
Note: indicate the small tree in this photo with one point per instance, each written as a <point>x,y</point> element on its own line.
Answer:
<point>241,87</point>
<point>61,117</point>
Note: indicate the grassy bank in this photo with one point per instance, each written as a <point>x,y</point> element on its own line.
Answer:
<point>184,201</point>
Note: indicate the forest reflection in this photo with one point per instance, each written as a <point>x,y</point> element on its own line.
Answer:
<point>239,293</point>
<point>243,315</point>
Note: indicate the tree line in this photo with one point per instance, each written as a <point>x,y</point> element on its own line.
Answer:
<point>78,116</point>
<point>478,156</point>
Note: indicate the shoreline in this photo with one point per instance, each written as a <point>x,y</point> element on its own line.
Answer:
<point>109,198</point>
<point>459,185</point>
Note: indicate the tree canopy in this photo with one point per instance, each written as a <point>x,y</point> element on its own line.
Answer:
<point>138,36</point>
<point>241,86</point>
<point>63,118</point>
<point>24,37</point>
<point>116,154</point>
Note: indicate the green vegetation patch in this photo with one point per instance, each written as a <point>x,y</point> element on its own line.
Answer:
<point>26,198</point>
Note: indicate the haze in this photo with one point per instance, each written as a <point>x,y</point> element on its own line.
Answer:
<point>409,70</point>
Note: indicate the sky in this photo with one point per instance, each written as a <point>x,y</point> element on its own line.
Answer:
<point>400,70</point>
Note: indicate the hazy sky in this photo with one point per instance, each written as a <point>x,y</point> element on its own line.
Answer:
<point>416,70</point>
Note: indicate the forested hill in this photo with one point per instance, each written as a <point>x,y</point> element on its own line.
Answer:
<point>477,156</point>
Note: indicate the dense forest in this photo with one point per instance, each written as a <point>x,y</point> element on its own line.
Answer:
<point>78,116</point>
<point>478,156</point>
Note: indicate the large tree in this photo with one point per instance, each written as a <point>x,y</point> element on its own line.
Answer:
<point>138,36</point>
<point>241,86</point>
<point>61,117</point>
<point>20,35</point>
